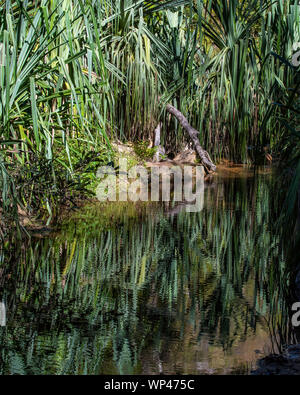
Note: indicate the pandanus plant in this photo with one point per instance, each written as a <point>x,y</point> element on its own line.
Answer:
<point>52,71</point>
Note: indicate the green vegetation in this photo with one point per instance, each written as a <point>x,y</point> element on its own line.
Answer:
<point>86,82</point>
<point>77,75</point>
<point>143,151</point>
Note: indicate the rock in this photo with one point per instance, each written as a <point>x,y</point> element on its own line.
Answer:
<point>123,148</point>
<point>293,353</point>
<point>186,156</point>
<point>287,363</point>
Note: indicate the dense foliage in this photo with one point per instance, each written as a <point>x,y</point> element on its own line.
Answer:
<point>76,75</point>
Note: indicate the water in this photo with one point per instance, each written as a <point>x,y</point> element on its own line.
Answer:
<point>149,289</point>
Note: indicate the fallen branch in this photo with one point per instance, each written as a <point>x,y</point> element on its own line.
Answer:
<point>193,133</point>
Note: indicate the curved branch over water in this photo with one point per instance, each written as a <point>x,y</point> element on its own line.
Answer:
<point>193,133</point>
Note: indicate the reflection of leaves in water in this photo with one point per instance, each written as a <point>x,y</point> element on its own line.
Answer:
<point>96,301</point>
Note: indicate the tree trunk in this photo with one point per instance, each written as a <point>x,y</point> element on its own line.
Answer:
<point>160,152</point>
<point>193,133</point>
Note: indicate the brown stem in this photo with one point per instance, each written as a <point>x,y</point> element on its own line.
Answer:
<point>193,133</point>
<point>160,150</point>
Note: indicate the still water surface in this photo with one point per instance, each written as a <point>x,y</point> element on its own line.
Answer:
<point>149,290</point>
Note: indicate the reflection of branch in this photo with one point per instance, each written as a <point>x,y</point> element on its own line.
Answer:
<point>214,300</point>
